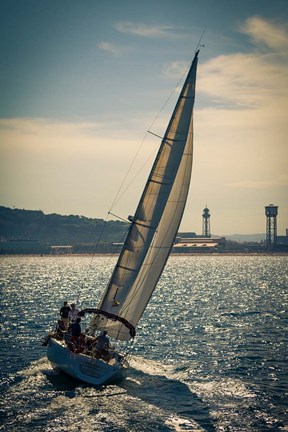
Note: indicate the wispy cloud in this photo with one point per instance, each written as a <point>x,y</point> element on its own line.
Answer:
<point>145,30</point>
<point>254,79</point>
<point>265,32</point>
<point>245,79</point>
<point>110,48</point>
<point>175,69</point>
<point>45,127</point>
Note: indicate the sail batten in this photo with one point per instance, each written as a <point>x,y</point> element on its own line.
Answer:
<point>145,226</point>
<point>156,220</point>
<point>127,268</point>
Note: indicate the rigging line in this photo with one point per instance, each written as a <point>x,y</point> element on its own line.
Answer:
<point>118,217</point>
<point>132,180</point>
<point>94,252</point>
<point>118,196</point>
<point>167,100</point>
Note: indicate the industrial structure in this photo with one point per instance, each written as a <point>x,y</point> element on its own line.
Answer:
<point>206,223</point>
<point>271,213</point>
<point>190,242</point>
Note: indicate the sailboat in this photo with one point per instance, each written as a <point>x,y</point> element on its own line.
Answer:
<point>148,244</point>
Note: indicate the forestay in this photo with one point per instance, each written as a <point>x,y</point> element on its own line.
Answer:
<point>156,221</point>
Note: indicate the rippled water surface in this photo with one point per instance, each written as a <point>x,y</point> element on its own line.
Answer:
<point>210,352</point>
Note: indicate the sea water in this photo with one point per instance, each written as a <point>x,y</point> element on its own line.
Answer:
<point>210,352</point>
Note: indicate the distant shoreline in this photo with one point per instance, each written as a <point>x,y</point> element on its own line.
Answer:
<point>199,254</point>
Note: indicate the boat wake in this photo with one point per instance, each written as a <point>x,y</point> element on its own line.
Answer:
<point>41,398</point>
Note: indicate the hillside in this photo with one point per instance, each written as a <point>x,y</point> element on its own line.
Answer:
<point>34,230</point>
<point>242,238</point>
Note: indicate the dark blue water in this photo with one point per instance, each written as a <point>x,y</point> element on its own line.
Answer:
<point>210,354</point>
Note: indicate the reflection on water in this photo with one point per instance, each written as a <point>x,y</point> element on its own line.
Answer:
<point>210,354</point>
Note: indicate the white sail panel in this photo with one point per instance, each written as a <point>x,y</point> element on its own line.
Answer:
<point>156,220</point>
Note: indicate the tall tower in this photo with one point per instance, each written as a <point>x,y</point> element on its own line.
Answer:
<point>206,223</point>
<point>271,212</point>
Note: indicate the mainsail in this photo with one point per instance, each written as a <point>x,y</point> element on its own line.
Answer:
<point>156,220</point>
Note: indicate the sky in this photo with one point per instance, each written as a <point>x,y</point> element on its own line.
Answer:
<point>81,83</point>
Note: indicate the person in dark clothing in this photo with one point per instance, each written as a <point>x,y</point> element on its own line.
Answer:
<point>76,328</point>
<point>64,313</point>
<point>102,341</point>
<point>60,327</point>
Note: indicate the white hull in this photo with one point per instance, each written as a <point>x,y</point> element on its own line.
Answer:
<point>83,367</point>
